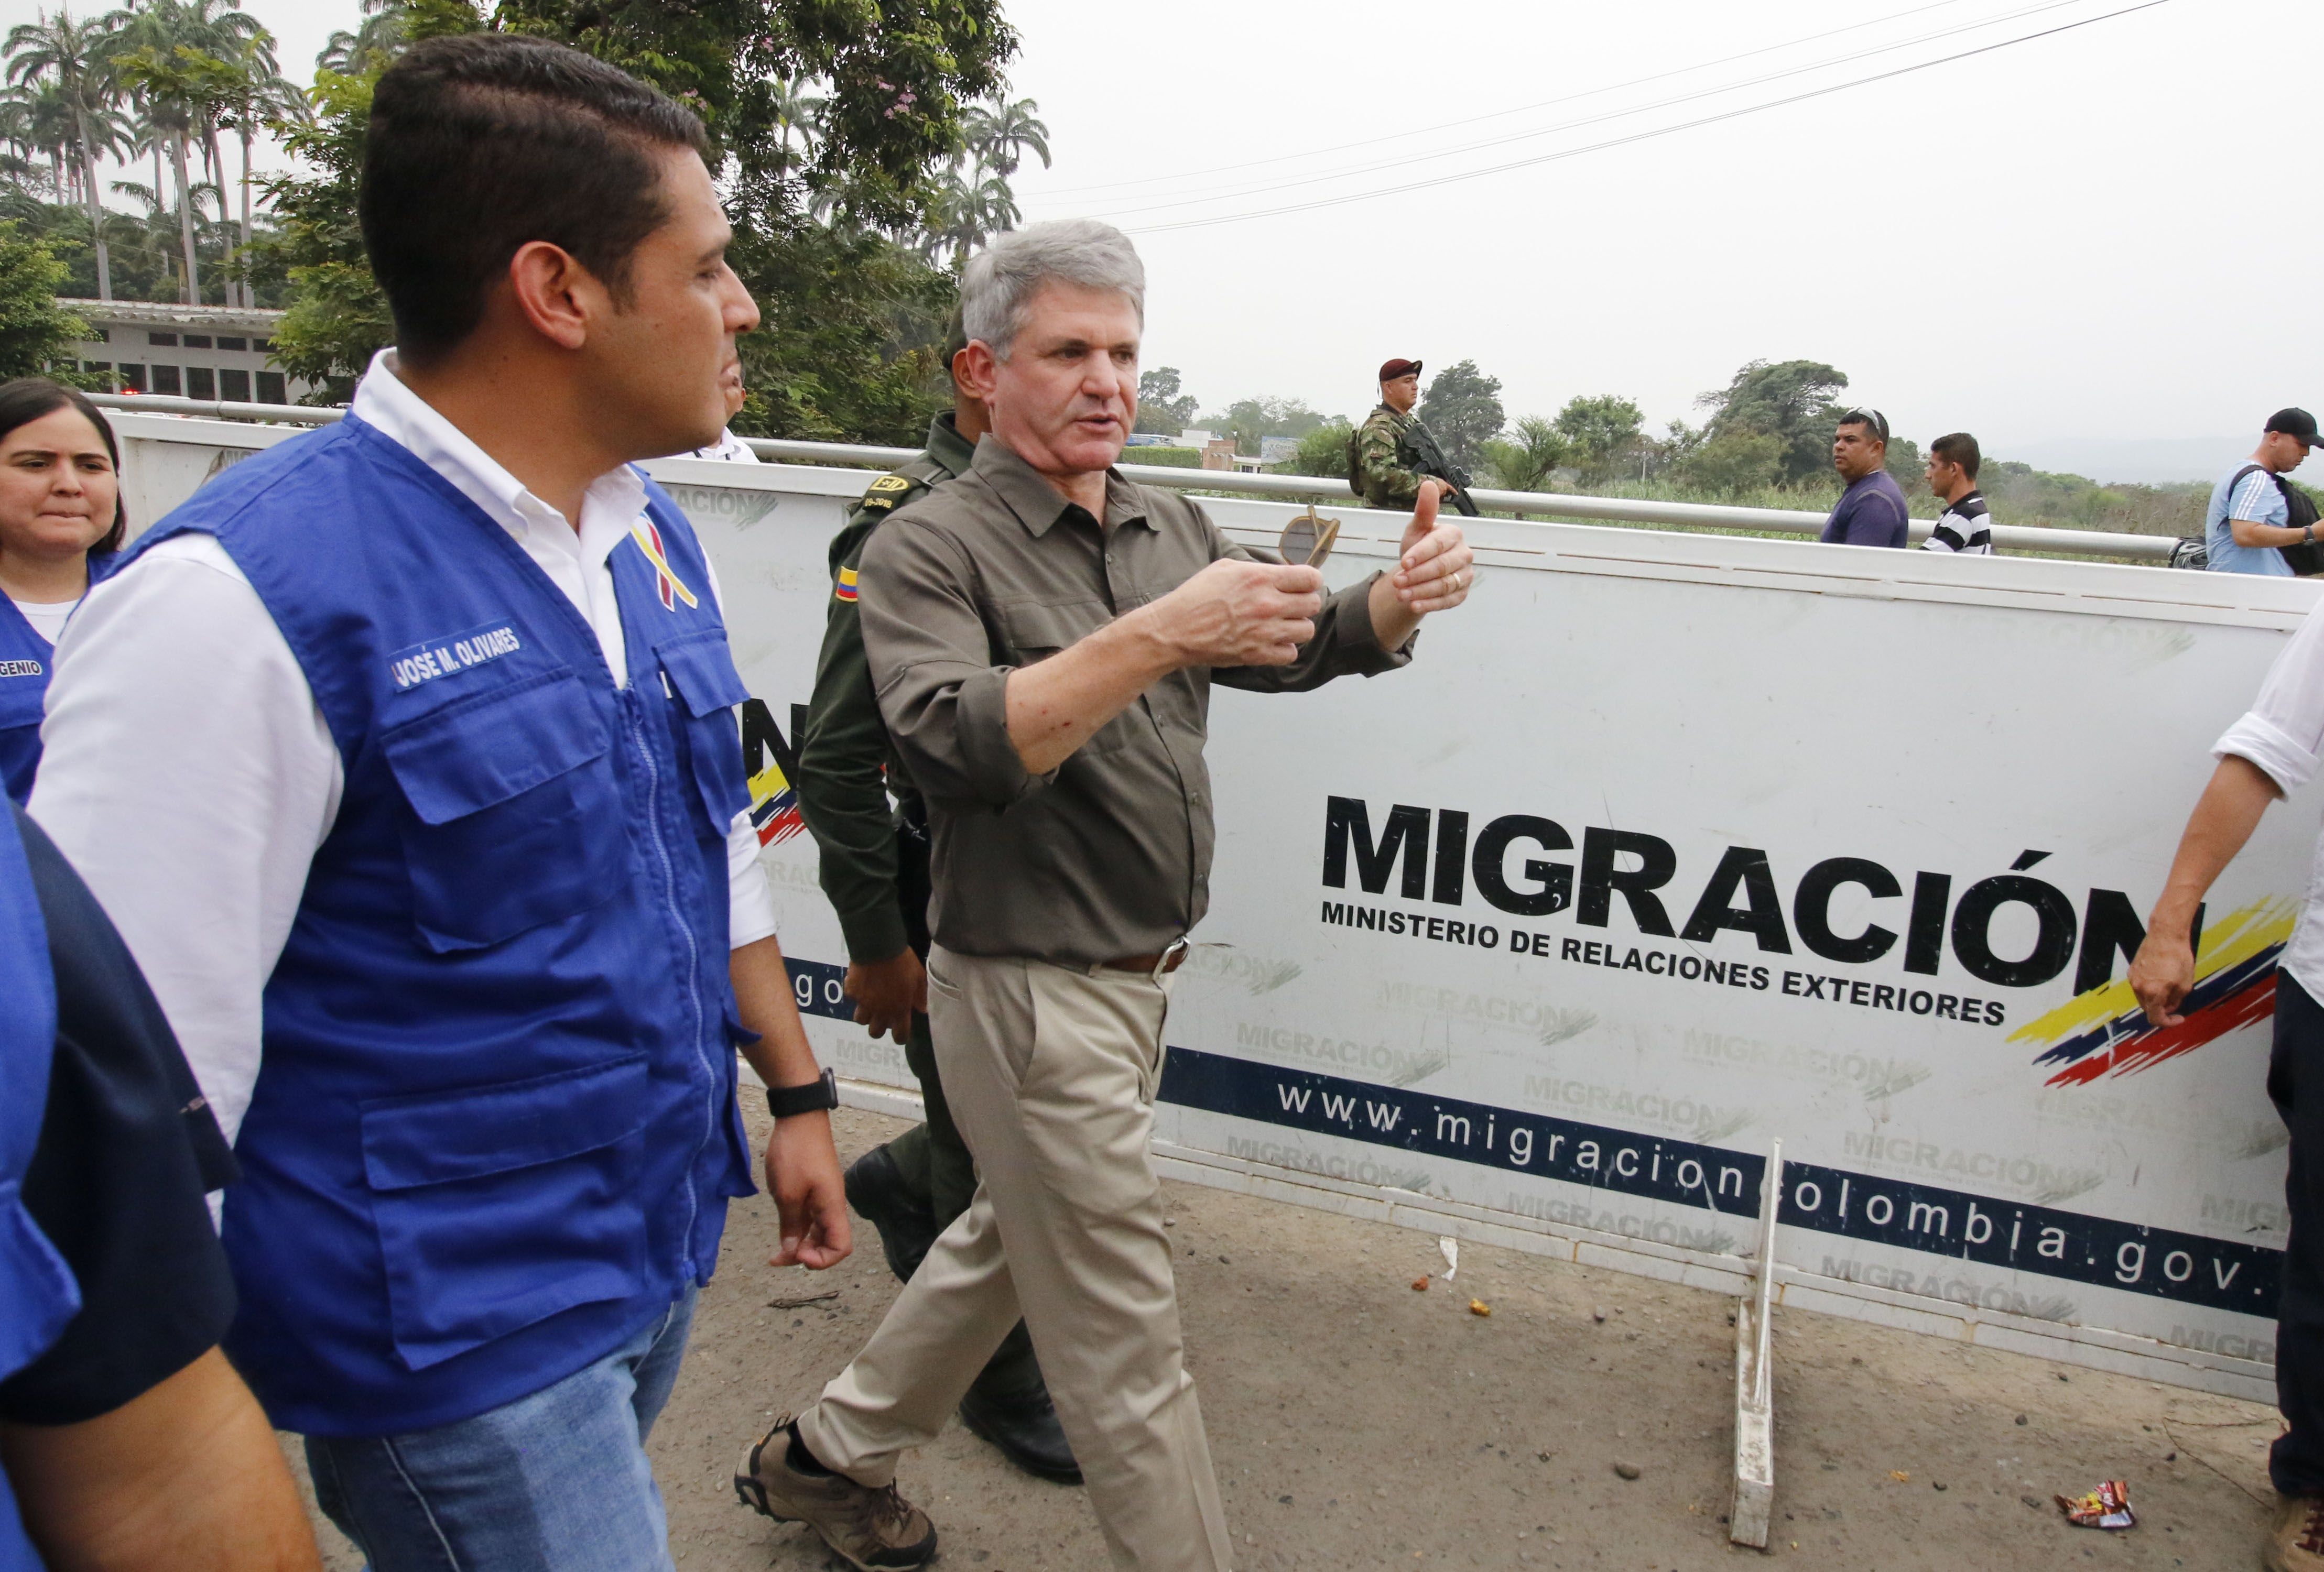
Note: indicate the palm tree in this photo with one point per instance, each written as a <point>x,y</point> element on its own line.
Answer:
<point>16,129</point>
<point>369,46</point>
<point>1000,137</point>
<point>256,93</point>
<point>796,111</point>
<point>170,87</point>
<point>240,48</point>
<point>49,128</point>
<point>154,227</point>
<point>75,58</point>
<point>965,215</point>
<point>178,56</point>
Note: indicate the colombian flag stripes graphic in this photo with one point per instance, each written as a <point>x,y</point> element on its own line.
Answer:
<point>770,759</point>
<point>2104,1032</point>
<point>774,806</point>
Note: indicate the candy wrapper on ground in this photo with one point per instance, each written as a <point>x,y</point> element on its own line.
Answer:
<point>2106,1507</point>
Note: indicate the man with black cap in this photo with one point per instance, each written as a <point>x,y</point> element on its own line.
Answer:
<point>1392,455</point>
<point>874,867</point>
<point>2251,516</point>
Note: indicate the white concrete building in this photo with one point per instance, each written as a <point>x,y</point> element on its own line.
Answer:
<point>193,351</point>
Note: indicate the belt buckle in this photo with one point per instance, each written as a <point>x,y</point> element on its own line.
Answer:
<point>1167,961</point>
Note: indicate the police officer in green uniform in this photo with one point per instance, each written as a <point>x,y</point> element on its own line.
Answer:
<point>1392,455</point>
<point>875,870</point>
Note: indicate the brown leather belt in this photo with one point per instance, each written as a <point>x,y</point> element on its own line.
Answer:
<point>1157,966</point>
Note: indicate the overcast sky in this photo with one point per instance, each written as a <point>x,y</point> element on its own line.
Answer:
<point>2093,248</point>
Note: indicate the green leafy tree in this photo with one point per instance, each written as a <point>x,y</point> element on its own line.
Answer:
<point>1906,465</point>
<point>1535,450</point>
<point>1324,450</point>
<point>831,196</point>
<point>1735,461</point>
<point>336,317</point>
<point>1162,407</point>
<point>1463,407</point>
<point>1604,436</point>
<point>36,337</point>
<point>1790,400</point>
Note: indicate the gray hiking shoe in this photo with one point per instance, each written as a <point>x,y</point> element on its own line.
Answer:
<point>877,1530</point>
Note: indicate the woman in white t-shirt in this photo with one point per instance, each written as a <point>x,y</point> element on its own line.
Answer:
<point>60,526</point>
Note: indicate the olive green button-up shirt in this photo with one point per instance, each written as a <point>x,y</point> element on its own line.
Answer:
<point>1109,855</point>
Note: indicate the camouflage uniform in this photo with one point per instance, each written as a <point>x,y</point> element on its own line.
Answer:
<point>874,857</point>
<point>1390,454</point>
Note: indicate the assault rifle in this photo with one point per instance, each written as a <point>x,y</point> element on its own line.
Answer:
<point>1416,450</point>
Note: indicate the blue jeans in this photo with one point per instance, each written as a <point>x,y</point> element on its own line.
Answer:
<point>556,1482</point>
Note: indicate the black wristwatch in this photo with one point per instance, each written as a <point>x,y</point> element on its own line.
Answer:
<point>814,1097</point>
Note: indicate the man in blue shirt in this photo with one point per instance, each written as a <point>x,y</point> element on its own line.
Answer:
<point>1871,512</point>
<point>2249,518</point>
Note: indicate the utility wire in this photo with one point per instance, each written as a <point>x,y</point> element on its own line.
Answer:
<point>1642,135</point>
<point>1495,114</point>
<point>1696,95</point>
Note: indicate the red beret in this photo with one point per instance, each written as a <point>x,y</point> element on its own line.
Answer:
<point>1391,370</point>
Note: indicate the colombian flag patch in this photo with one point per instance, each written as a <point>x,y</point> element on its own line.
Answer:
<point>845,589</point>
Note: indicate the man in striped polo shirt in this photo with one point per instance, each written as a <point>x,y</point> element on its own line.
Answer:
<point>1963,526</point>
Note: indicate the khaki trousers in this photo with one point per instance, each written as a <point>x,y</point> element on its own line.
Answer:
<point>1051,1074</point>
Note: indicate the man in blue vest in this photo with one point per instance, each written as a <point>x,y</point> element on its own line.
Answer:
<point>404,756</point>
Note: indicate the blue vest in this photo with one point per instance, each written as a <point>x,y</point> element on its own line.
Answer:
<point>37,1292</point>
<point>24,671</point>
<point>495,1130</point>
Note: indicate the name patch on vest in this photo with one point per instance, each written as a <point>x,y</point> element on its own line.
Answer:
<point>20,668</point>
<point>439,657</point>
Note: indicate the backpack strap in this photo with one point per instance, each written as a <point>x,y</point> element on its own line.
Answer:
<point>2235,480</point>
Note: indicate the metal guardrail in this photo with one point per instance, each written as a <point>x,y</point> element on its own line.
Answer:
<point>214,410</point>
<point>1543,505</point>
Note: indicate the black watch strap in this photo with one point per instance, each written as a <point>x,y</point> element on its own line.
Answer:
<point>815,1095</point>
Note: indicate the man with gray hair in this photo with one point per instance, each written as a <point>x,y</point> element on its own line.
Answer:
<point>1043,636</point>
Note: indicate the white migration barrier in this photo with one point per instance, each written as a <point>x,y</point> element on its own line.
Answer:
<point>1667,846</point>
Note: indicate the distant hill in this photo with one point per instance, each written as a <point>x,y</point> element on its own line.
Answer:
<point>2152,461</point>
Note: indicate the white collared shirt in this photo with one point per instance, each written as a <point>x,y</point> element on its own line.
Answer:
<point>194,820</point>
<point>2283,733</point>
<point>729,447</point>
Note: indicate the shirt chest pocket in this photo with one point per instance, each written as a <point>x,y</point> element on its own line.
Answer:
<point>706,687</point>
<point>1035,631</point>
<point>514,814</point>
<point>22,699</point>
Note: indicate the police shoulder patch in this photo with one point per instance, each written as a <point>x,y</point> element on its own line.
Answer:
<point>893,483</point>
